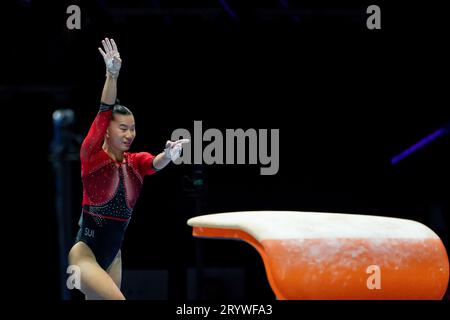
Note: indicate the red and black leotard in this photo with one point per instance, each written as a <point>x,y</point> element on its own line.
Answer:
<point>110,191</point>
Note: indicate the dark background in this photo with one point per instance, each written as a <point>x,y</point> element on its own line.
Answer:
<point>346,99</point>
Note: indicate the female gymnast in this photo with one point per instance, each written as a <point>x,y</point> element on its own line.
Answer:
<point>112,179</point>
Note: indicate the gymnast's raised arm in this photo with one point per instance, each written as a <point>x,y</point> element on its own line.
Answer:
<point>94,139</point>
<point>113,63</point>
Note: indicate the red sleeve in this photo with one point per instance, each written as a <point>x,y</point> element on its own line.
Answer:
<point>144,162</point>
<point>94,139</point>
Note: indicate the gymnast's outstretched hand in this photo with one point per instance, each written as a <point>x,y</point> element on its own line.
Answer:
<point>111,56</point>
<point>173,148</point>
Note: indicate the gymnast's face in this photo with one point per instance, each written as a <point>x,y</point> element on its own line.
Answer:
<point>121,132</point>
